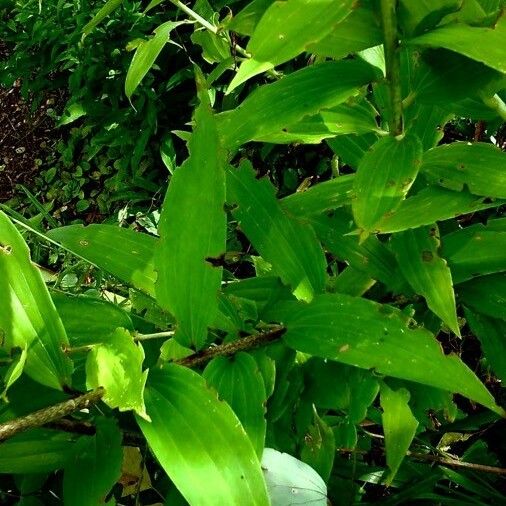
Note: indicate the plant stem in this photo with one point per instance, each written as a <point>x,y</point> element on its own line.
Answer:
<point>497,104</point>
<point>157,335</point>
<point>246,343</point>
<point>49,414</point>
<point>392,64</point>
<point>195,16</point>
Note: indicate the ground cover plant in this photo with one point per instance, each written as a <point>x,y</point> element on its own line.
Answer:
<point>314,313</point>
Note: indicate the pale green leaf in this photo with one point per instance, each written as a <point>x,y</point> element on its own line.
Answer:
<point>482,44</point>
<point>478,166</point>
<point>116,365</point>
<point>417,253</point>
<point>433,204</point>
<point>274,106</point>
<point>145,55</point>
<point>188,283</point>
<point>95,465</point>
<point>369,335</point>
<point>239,383</point>
<point>28,318</point>
<point>351,281</point>
<point>126,254</point>
<point>200,442</point>
<point>289,245</point>
<point>475,251</point>
<point>399,427</point>
<point>384,176</point>
<point>14,372</point>
<point>285,30</point>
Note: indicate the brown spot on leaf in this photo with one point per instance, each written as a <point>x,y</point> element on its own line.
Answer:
<point>427,256</point>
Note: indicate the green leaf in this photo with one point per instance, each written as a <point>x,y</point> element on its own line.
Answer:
<point>88,320</point>
<point>188,283</point>
<point>116,365</point>
<point>145,55</point>
<point>399,427</point>
<point>122,252</point>
<point>485,45</point>
<point>491,332</point>
<point>417,253</point>
<point>274,106</point>
<point>352,148</point>
<point>427,122</point>
<point>289,245</point>
<point>14,372</point>
<point>423,15</point>
<point>320,198</point>
<point>354,117</point>
<point>474,251</point>
<point>95,465</point>
<point>360,30</point>
<point>433,204</point>
<point>369,335</point>
<point>245,21</point>
<point>384,176</point>
<point>36,451</point>
<point>109,7</point>
<point>487,295</point>
<point>199,441</point>
<point>28,318</point>
<point>285,31</point>
<point>290,481</point>
<point>478,166</point>
<point>239,383</point>
<point>319,447</point>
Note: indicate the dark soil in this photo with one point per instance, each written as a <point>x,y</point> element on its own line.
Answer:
<point>26,137</point>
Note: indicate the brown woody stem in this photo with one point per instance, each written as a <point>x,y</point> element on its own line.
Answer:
<point>246,343</point>
<point>49,414</point>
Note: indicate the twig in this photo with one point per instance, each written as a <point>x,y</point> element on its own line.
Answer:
<point>392,64</point>
<point>246,343</point>
<point>49,414</point>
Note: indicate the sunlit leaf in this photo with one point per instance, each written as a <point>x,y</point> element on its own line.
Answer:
<point>238,382</point>
<point>285,30</point>
<point>116,365</point>
<point>417,253</point>
<point>200,442</point>
<point>369,335</point>
<point>188,282</point>
<point>109,7</point>
<point>28,318</point>
<point>289,245</point>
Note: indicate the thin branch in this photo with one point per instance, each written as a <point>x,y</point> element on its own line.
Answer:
<point>392,64</point>
<point>157,335</point>
<point>245,343</point>
<point>49,414</point>
<point>497,104</point>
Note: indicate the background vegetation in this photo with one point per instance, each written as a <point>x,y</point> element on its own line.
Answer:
<point>290,287</point>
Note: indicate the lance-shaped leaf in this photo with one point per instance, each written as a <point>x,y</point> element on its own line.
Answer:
<point>352,148</point>
<point>418,17</point>
<point>320,198</point>
<point>193,233</point>
<point>384,176</point>
<point>28,318</point>
<point>274,106</point>
<point>239,382</point>
<point>479,166</point>
<point>399,427</point>
<point>200,442</point>
<point>95,465</point>
<point>109,7</point>
<point>369,335</point>
<point>482,44</point>
<point>486,294</point>
<point>285,31</point>
<point>433,204</point>
<point>417,253</point>
<point>116,365</point>
<point>122,252</point>
<point>245,21</point>
<point>475,251</point>
<point>145,55</point>
<point>289,245</point>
